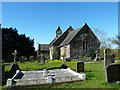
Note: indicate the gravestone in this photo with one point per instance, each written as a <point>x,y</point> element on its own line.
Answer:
<point>112,73</point>
<point>63,66</point>
<point>14,68</point>
<point>31,59</point>
<point>112,58</point>
<point>41,60</point>
<point>80,67</point>
<point>15,55</point>
<point>67,59</point>
<point>22,59</point>
<point>107,58</point>
<point>97,58</point>
<point>38,58</point>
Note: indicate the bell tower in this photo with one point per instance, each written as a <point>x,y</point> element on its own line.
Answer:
<point>58,32</point>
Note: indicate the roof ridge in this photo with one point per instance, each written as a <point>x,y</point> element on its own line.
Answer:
<point>61,35</point>
<point>77,32</point>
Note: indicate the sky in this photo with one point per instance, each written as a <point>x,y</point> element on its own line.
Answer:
<point>39,20</point>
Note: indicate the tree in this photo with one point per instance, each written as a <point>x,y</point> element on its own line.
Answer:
<point>104,40</point>
<point>11,41</point>
<point>117,40</point>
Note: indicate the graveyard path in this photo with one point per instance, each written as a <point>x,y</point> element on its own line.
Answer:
<point>8,65</point>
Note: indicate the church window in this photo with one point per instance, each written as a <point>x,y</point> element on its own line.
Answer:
<point>84,45</point>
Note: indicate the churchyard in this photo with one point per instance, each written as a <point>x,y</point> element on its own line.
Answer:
<point>94,70</point>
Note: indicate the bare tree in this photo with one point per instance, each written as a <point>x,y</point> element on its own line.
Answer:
<point>117,40</point>
<point>104,40</point>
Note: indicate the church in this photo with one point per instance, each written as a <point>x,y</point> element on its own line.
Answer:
<point>74,44</point>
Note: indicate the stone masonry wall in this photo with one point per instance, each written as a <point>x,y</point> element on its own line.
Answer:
<point>65,50</point>
<point>54,52</point>
<point>84,45</point>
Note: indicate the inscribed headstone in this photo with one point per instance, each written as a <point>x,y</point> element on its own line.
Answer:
<point>112,73</point>
<point>80,67</point>
<point>107,58</point>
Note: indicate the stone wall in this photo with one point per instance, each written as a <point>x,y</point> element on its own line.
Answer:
<point>54,52</point>
<point>84,45</point>
<point>65,51</point>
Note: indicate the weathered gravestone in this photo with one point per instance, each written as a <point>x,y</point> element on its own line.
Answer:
<point>80,67</point>
<point>112,73</point>
<point>112,58</point>
<point>41,60</point>
<point>31,59</point>
<point>15,56</point>
<point>22,59</point>
<point>107,58</point>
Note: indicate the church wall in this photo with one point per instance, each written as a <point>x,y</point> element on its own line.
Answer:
<point>65,52</point>
<point>54,52</point>
<point>84,45</point>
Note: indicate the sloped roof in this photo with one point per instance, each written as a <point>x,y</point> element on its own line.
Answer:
<point>70,36</point>
<point>44,47</point>
<point>58,40</point>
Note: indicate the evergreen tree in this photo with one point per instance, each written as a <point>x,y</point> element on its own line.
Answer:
<point>11,41</point>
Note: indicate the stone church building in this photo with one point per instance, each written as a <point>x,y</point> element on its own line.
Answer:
<point>74,44</point>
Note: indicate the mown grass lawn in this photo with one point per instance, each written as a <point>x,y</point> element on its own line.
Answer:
<point>95,75</point>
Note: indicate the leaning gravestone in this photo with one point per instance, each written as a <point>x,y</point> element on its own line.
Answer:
<point>112,58</point>
<point>107,58</point>
<point>80,67</point>
<point>112,73</point>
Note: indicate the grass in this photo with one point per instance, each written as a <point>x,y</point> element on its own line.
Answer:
<point>95,75</point>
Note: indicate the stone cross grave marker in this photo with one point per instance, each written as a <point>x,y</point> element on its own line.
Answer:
<point>112,73</point>
<point>80,67</point>
<point>107,58</point>
<point>112,58</point>
<point>15,55</point>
